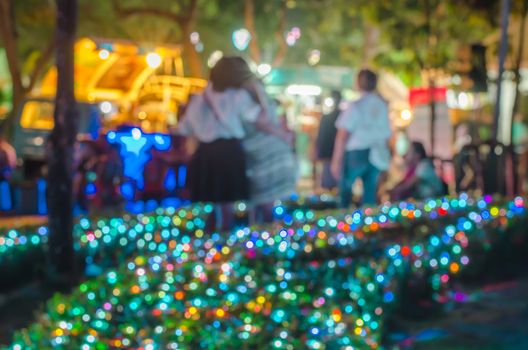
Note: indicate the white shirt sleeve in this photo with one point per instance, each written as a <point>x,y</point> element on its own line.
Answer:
<point>184,127</point>
<point>347,119</point>
<point>386,130</point>
<point>248,108</point>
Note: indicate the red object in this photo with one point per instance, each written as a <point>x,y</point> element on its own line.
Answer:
<point>406,251</point>
<point>422,95</point>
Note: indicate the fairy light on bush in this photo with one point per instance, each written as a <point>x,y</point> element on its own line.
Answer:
<point>309,274</point>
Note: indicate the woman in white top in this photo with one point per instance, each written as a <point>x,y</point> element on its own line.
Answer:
<point>361,146</point>
<point>217,119</point>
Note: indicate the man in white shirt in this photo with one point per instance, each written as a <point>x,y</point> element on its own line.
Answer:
<point>361,148</point>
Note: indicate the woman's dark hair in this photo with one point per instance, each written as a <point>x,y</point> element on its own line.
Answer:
<point>336,96</point>
<point>230,72</point>
<point>367,80</point>
<point>419,149</point>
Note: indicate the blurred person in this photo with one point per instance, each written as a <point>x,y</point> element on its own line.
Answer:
<point>271,162</point>
<point>7,165</point>
<point>362,143</point>
<point>99,172</point>
<point>109,174</point>
<point>154,173</point>
<point>85,164</point>
<point>7,158</point>
<point>421,180</point>
<point>176,160</point>
<point>325,141</point>
<point>217,120</point>
<point>466,160</point>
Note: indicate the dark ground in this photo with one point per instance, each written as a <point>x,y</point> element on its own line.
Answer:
<point>19,308</point>
<point>495,317</point>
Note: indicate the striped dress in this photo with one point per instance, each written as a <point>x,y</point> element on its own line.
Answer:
<point>271,165</point>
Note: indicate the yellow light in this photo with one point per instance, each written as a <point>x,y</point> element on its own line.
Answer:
<point>153,60</point>
<point>60,308</point>
<point>261,300</point>
<point>86,44</point>
<point>220,313</point>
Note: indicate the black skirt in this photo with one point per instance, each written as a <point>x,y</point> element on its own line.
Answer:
<point>218,172</point>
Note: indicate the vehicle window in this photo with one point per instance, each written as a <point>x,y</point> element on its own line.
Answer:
<point>37,115</point>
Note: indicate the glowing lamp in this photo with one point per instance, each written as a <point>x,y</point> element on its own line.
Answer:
<point>104,54</point>
<point>314,57</point>
<point>241,39</point>
<point>263,69</point>
<point>296,32</point>
<point>105,107</point>
<point>195,38</point>
<point>304,90</point>
<point>215,57</point>
<point>406,115</point>
<point>290,39</point>
<point>329,102</point>
<point>136,134</point>
<point>153,60</point>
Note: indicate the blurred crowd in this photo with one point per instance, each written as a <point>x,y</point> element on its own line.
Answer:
<point>233,143</point>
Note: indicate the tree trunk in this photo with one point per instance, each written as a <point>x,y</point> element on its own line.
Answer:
<point>193,58</point>
<point>370,39</point>
<point>279,35</point>
<point>514,176</point>
<point>249,20</point>
<point>60,145</point>
<point>9,40</point>
<point>19,93</point>
<point>518,61</point>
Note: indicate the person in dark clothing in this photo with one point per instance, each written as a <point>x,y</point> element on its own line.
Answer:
<point>326,139</point>
<point>7,165</point>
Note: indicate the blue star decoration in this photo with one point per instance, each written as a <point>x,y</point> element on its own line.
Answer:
<point>135,148</point>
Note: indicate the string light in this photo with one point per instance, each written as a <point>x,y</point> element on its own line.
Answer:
<point>307,275</point>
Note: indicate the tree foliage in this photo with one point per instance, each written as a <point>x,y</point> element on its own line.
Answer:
<point>403,36</point>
